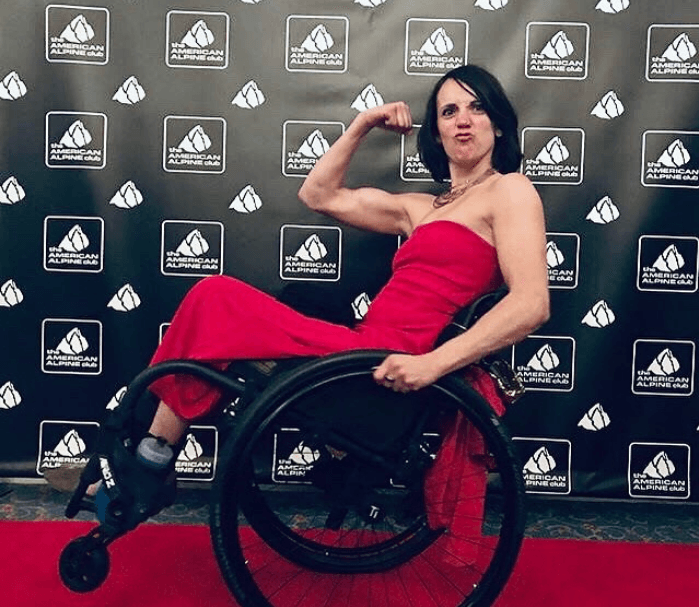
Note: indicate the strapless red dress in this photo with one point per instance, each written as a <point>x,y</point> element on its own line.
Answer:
<point>440,269</point>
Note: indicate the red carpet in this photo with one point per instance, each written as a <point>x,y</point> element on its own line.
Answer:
<point>173,566</point>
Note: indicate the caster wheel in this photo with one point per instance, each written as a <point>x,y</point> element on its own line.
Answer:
<point>82,568</point>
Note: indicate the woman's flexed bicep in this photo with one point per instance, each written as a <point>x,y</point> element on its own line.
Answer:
<point>374,209</point>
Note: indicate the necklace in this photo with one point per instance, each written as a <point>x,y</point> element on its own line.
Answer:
<point>454,193</point>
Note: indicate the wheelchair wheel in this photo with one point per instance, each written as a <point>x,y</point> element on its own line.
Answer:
<point>328,494</point>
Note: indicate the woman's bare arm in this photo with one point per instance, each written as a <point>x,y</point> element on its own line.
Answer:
<point>373,209</point>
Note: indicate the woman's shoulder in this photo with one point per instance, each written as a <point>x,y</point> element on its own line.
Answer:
<point>515,181</point>
<point>515,187</point>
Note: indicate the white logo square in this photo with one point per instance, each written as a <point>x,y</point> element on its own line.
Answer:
<point>76,140</point>
<point>304,143</point>
<point>557,50</point>
<point>197,40</point>
<point>435,46</point>
<point>191,248</point>
<point>71,346</point>
<point>77,34</point>
<point>311,253</point>
<point>317,44</point>
<point>194,144</point>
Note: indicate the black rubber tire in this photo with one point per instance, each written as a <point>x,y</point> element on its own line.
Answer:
<point>238,502</point>
<point>82,568</point>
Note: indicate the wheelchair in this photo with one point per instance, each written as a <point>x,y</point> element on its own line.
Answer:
<point>326,491</point>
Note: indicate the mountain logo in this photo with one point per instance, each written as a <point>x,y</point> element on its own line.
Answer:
<point>491,5</point>
<point>10,294</point>
<point>557,51</point>
<point>12,87</point>
<point>197,40</point>
<point>71,346</point>
<point>75,241</point>
<point>9,396</point>
<point>558,47</point>
<point>304,455</point>
<point>599,315</point>
<point>193,245</point>
<point>545,363</point>
<point>130,92</point>
<point>608,107</point>
<point>435,46</point>
<point>303,143</point>
<point>411,167</point>
<point>595,419</point>
<point>663,367</point>
<point>125,299</point>
<point>194,144</point>
<point>191,248</point>
<point>680,50</point>
<point>553,155</point>
<point>115,401</point>
<point>77,34</point>
<point>668,263</point>
<point>675,155</point>
<point>128,196</point>
<point>670,159</point>
<point>247,201</point>
<point>11,192</point>
<point>603,212</point>
<point>249,96</point>
<point>310,253</point>
<point>659,470</point>
<point>360,306</point>
<point>73,244</point>
<point>367,99</point>
<point>196,460</point>
<point>612,7</point>
<point>65,443</point>
<point>554,152</point>
<point>76,140</point>
<point>541,462</point>
<point>547,464</point>
<point>292,459</point>
<point>369,3</point>
<point>317,44</point>
<point>563,260</point>
<point>554,256</point>
<point>672,53</point>
<point>192,450</point>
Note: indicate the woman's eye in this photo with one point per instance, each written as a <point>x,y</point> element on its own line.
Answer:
<point>477,107</point>
<point>447,111</point>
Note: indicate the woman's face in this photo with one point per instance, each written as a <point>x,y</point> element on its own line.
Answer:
<point>465,130</point>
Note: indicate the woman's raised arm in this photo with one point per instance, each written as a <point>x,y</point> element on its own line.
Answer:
<point>373,209</point>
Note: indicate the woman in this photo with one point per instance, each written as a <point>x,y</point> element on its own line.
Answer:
<point>486,229</point>
<point>491,215</point>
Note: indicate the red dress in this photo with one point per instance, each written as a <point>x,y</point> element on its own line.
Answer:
<point>440,269</point>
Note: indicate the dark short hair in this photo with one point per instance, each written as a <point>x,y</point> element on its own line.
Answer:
<point>507,154</point>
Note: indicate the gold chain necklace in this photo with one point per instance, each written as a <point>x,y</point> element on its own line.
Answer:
<point>454,193</point>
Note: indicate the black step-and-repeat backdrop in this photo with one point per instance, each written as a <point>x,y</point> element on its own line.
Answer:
<point>144,146</point>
